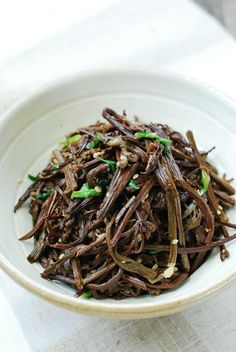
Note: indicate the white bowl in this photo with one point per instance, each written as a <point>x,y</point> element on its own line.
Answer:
<point>31,129</point>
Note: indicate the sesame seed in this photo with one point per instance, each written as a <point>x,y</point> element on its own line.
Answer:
<point>97,154</point>
<point>175,241</point>
<point>168,272</point>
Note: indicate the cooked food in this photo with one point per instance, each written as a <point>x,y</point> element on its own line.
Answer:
<point>124,209</point>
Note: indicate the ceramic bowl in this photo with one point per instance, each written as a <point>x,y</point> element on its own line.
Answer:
<point>31,129</point>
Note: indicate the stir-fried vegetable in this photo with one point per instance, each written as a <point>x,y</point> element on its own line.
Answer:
<point>128,209</point>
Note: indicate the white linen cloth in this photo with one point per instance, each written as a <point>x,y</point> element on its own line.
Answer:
<point>173,34</point>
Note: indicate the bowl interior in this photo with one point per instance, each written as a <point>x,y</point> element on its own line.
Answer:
<point>32,130</point>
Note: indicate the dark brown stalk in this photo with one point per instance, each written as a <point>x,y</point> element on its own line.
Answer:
<point>38,249</point>
<point>170,285</point>
<point>117,121</point>
<point>75,263</point>
<point>94,173</point>
<point>223,183</point>
<point>126,263</point>
<point>71,182</point>
<point>140,197</point>
<point>174,210</point>
<point>35,231</point>
<point>100,272</point>
<point>26,195</point>
<point>219,213</point>
<point>114,190</point>
<point>108,284</point>
<point>190,250</point>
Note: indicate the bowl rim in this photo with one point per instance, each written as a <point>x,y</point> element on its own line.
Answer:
<point>144,310</point>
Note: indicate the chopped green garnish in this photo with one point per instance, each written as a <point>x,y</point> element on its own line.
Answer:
<point>95,142</point>
<point>74,138</point>
<point>103,182</point>
<point>45,195</point>
<point>110,163</point>
<point>71,140</point>
<point>205,178</point>
<point>33,178</point>
<point>145,134</point>
<point>133,184</point>
<point>87,294</point>
<point>86,192</point>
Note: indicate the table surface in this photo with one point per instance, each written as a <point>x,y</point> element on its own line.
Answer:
<point>153,33</point>
<point>223,10</point>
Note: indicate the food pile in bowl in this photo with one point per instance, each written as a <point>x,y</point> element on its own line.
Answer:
<point>124,209</point>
